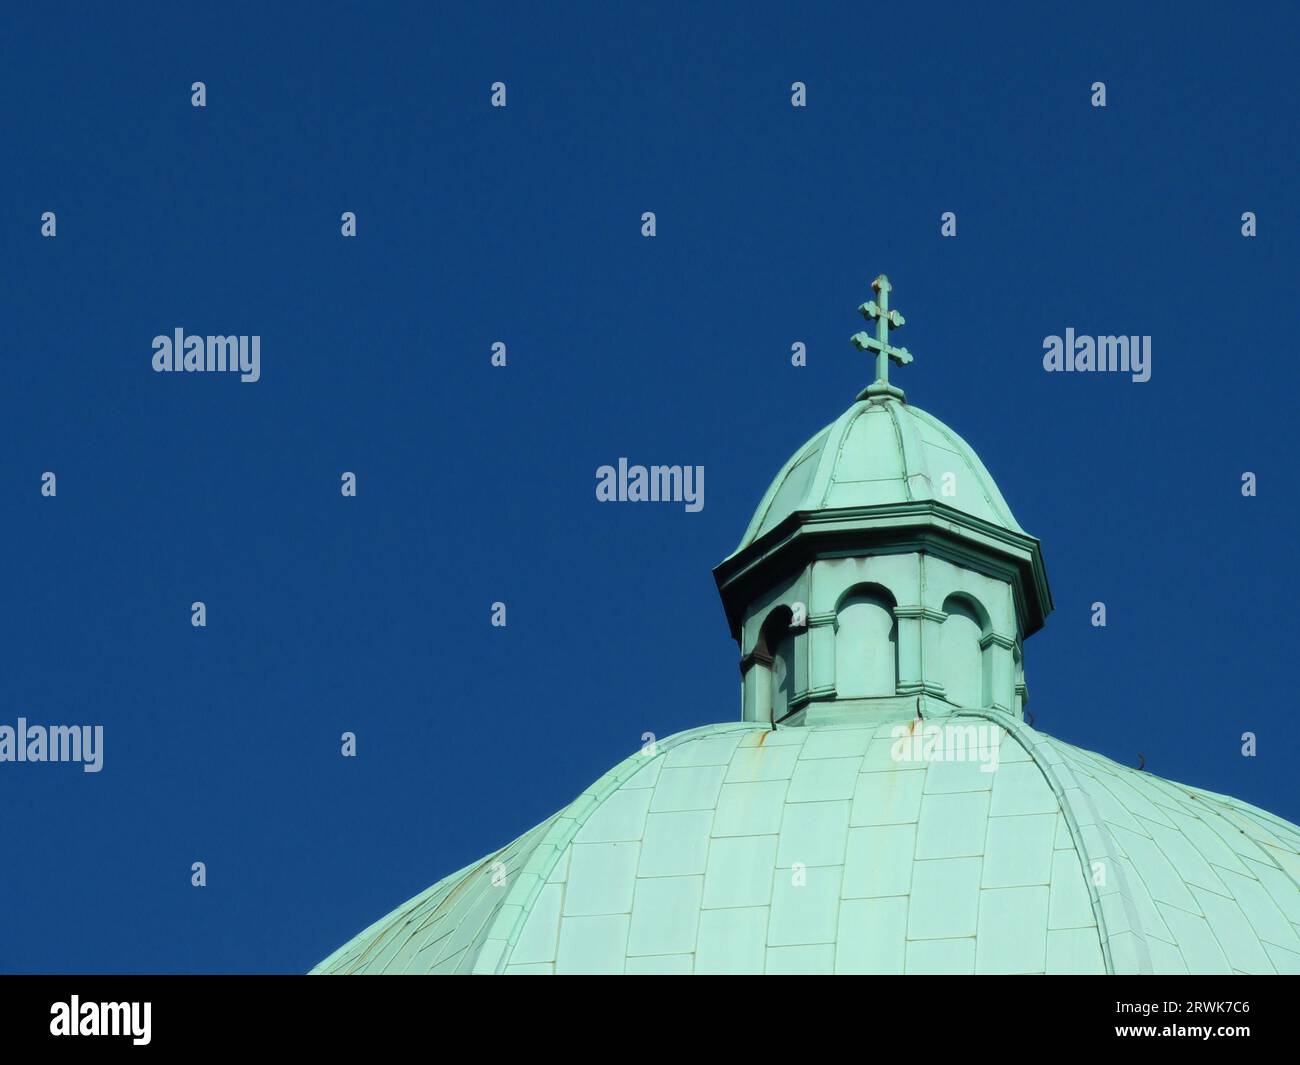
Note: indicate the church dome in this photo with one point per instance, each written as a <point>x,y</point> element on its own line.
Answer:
<point>735,849</point>
<point>881,451</point>
<point>882,805</point>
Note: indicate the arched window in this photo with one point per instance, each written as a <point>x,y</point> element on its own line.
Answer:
<point>866,643</point>
<point>964,667</point>
<point>783,676</point>
<point>772,667</point>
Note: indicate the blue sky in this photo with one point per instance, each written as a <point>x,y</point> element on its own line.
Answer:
<point>475,484</point>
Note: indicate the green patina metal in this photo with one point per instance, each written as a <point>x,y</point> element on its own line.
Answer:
<point>682,860</point>
<point>882,806</point>
<point>886,320</point>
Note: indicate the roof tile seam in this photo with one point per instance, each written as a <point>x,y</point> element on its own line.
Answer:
<point>442,935</point>
<point>624,772</point>
<point>1018,729</point>
<point>1213,798</point>
<point>348,950</point>
<point>1134,918</point>
<point>380,927</point>
<point>386,935</point>
<point>520,849</point>
<point>441,932</point>
<point>425,908</point>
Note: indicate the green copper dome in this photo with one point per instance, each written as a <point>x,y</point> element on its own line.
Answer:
<point>881,451</point>
<point>882,806</point>
<point>733,849</point>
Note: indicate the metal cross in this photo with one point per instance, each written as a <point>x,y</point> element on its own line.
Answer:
<point>885,320</point>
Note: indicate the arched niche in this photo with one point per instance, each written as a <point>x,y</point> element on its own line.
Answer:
<point>866,643</point>
<point>965,668</point>
<point>771,667</point>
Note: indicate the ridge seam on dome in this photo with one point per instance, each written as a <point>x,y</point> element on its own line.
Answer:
<point>902,455</point>
<point>1126,894</point>
<point>774,489</point>
<point>518,849</point>
<point>526,845</point>
<point>1018,729</point>
<point>843,424</point>
<point>965,451</point>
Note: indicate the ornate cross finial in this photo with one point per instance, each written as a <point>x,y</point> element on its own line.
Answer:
<point>885,320</point>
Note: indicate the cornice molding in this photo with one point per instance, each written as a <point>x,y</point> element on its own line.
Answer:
<point>923,687</point>
<point>996,639</point>
<point>921,526</point>
<point>924,612</point>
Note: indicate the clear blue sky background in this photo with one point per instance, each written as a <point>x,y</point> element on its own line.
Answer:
<point>523,225</point>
